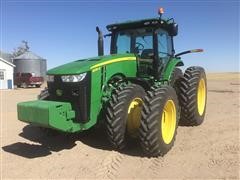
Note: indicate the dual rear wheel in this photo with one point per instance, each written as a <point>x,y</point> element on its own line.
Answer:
<point>123,114</point>
<point>193,96</point>
<point>159,123</point>
<point>153,117</point>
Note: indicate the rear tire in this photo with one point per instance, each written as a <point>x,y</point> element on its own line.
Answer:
<point>123,114</point>
<point>176,75</point>
<point>175,78</point>
<point>160,116</point>
<point>193,96</point>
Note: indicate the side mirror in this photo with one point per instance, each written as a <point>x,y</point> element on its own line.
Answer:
<point>173,29</point>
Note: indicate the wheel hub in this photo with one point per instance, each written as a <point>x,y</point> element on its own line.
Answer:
<point>201,96</point>
<point>168,121</point>
<point>134,116</point>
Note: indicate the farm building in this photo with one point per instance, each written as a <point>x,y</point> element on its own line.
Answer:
<point>29,62</point>
<point>6,56</point>
<point>6,74</point>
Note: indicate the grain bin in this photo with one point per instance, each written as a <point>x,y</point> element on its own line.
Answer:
<point>30,63</point>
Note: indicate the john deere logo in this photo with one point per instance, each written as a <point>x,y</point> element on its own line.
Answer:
<point>59,92</point>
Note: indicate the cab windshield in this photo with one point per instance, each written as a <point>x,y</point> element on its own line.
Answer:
<point>137,41</point>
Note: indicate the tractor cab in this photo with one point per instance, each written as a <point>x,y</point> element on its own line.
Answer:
<point>151,40</point>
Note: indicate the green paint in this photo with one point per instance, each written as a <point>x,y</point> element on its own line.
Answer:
<point>47,113</point>
<point>125,68</point>
<point>57,115</point>
<point>170,67</point>
<point>84,65</point>
<point>61,116</point>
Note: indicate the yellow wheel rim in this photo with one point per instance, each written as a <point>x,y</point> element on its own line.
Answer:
<point>201,96</point>
<point>168,122</point>
<point>134,116</point>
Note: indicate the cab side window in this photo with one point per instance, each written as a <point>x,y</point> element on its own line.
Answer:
<point>145,45</point>
<point>123,43</point>
<point>164,44</point>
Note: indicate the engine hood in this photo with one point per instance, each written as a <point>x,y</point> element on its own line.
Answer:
<point>84,65</point>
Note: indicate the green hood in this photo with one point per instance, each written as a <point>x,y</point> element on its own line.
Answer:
<point>85,65</point>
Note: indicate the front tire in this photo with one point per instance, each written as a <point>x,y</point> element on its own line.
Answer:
<point>193,96</point>
<point>44,95</point>
<point>159,122</point>
<point>123,114</point>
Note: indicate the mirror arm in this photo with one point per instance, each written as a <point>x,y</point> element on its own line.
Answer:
<point>107,35</point>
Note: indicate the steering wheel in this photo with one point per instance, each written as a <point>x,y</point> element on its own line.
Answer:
<point>139,46</point>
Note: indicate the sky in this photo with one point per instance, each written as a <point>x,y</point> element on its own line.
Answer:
<point>63,31</point>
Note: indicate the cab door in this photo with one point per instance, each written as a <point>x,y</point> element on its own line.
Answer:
<point>164,47</point>
<point>145,54</point>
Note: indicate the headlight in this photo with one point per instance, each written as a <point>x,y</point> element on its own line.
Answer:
<point>73,78</point>
<point>50,78</point>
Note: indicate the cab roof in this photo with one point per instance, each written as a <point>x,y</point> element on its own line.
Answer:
<point>151,22</point>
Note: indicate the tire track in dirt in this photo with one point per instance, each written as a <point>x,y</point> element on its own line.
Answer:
<point>154,165</point>
<point>109,166</point>
<point>151,166</point>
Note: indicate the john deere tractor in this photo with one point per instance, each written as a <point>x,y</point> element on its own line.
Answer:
<point>138,91</point>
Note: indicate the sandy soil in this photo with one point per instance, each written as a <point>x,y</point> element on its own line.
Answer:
<point>207,151</point>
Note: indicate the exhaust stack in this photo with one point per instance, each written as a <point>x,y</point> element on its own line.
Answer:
<point>100,42</point>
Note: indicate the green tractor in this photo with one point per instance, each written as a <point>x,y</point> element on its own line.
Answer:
<point>138,91</point>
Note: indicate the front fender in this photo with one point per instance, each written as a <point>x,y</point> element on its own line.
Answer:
<point>170,67</point>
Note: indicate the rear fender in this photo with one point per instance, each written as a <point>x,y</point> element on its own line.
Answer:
<point>172,64</point>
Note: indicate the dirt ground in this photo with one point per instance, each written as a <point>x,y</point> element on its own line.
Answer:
<point>207,151</point>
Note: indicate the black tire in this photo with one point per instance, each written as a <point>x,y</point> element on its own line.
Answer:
<point>44,95</point>
<point>176,75</point>
<point>188,97</point>
<point>151,135</point>
<point>117,113</point>
<point>38,85</point>
<point>175,79</point>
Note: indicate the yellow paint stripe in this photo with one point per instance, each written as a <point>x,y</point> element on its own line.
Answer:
<point>114,61</point>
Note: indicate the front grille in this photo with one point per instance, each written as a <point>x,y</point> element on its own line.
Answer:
<point>78,94</point>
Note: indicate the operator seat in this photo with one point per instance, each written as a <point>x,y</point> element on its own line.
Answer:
<point>147,54</point>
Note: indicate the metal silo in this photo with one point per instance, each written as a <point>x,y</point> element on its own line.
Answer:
<point>30,63</point>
